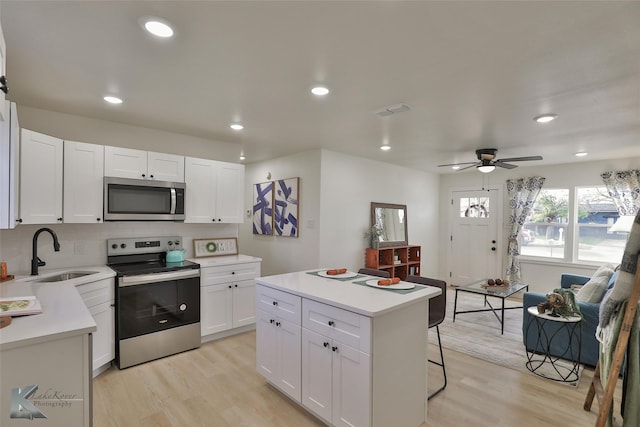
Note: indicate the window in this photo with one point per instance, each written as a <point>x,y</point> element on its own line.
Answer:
<point>546,226</point>
<point>474,207</point>
<point>596,215</point>
<point>548,232</point>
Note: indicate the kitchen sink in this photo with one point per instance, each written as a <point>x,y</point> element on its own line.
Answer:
<point>65,276</point>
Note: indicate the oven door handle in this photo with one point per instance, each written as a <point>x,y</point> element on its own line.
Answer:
<point>157,277</point>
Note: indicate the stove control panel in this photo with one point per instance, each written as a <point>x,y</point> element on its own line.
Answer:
<point>142,245</point>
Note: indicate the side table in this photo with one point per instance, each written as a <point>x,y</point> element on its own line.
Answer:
<point>564,368</point>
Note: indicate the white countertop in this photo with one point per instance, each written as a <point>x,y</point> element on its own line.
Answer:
<point>360,299</point>
<point>63,314</point>
<point>215,261</point>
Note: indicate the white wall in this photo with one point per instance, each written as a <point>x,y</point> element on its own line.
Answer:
<point>336,192</point>
<point>541,276</point>
<point>85,244</point>
<point>350,184</point>
<point>285,254</point>
<point>77,128</point>
<point>335,195</point>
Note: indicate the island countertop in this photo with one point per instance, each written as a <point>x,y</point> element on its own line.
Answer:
<point>360,299</point>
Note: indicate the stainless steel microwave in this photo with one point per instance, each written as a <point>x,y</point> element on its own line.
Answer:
<point>143,200</point>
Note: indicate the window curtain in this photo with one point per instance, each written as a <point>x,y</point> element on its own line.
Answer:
<point>522,194</point>
<point>624,189</point>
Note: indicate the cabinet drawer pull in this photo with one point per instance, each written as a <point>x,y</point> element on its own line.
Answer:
<point>326,344</point>
<point>275,303</point>
<point>271,320</point>
<point>334,348</point>
<point>332,323</point>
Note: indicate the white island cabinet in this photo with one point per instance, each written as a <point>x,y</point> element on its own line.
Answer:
<point>350,354</point>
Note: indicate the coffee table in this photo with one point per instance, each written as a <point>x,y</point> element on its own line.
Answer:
<point>501,292</point>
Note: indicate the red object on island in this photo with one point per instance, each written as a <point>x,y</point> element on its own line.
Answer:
<point>336,271</point>
<point>387,282</point>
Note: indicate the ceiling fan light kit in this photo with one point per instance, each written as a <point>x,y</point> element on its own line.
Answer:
<point>487,163</point>
<point>545,118</point>
<point>486,168</point>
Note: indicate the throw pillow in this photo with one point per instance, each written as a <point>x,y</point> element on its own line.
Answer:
<point>594,289</point>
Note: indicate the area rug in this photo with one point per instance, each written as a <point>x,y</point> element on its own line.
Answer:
<point>478,334</point>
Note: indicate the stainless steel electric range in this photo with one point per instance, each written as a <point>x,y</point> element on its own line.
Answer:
<point>157,302</point>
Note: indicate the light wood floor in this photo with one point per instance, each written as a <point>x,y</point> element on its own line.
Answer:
<point>217,386</point>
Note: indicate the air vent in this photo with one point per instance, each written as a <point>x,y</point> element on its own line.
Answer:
<point>392,109</point>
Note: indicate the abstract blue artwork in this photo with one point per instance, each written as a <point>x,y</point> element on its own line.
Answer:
<point>263,208</point>
<point>285,215</point>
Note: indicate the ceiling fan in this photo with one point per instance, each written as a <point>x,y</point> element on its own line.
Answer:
<point>487,163</point>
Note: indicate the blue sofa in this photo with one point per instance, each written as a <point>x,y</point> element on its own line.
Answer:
<point>590,312</point>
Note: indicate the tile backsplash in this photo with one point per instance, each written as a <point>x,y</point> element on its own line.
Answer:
<point>86,244</point>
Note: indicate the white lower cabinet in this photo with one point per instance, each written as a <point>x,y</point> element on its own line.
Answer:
<point>103,338</point>
<point>227,296</point>
<point>360,367</point>
<point>99,299</point>
<point>278,352</point>
<point>335,381</point>
<point>336,378</point>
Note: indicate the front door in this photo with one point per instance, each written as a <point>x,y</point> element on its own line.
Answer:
<point>474,242</point>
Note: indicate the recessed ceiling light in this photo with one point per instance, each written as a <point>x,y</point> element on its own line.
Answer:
<point>385,147</point>
<point>581,154</point>
<point>320,91</point>
<point>545,118</point>
<point>112,100</point>
<point>158,27</point>
<point>455,168</point>
<point>242,157</point>
<point>236,126</point>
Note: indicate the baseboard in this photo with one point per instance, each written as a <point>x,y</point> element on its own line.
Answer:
<point>228,333</point>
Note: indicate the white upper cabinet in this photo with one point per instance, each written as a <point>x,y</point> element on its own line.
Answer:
<point>139,164</point>
<point>200,180</point>
<point>3,77</point>
<point>9,168</point>
<point>83,182</point>
<point>40,178</point>
<point>165,167</point>
<point>230,192</point>
<point>215,191</point>
<point>125,162</point>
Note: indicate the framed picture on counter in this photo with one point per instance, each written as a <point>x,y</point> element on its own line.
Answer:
<point>215,247</point>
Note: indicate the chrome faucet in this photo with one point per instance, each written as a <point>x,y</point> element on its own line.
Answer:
<point>35,261</point>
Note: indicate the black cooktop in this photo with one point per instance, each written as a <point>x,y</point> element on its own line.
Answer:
<point>159,266</point>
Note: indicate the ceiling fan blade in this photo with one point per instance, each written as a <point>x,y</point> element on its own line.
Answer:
<point>458,164</point>
<point>500,164</point>
<point>520,159</point>
<point>470,166</point>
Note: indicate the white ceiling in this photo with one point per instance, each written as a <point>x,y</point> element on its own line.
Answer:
<point>475,74</point>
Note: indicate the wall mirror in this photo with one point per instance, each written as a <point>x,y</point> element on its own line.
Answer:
<point>392,221</point>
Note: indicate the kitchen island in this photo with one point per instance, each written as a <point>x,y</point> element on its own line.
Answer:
<point>349,353</point>
<point>45,359</point>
